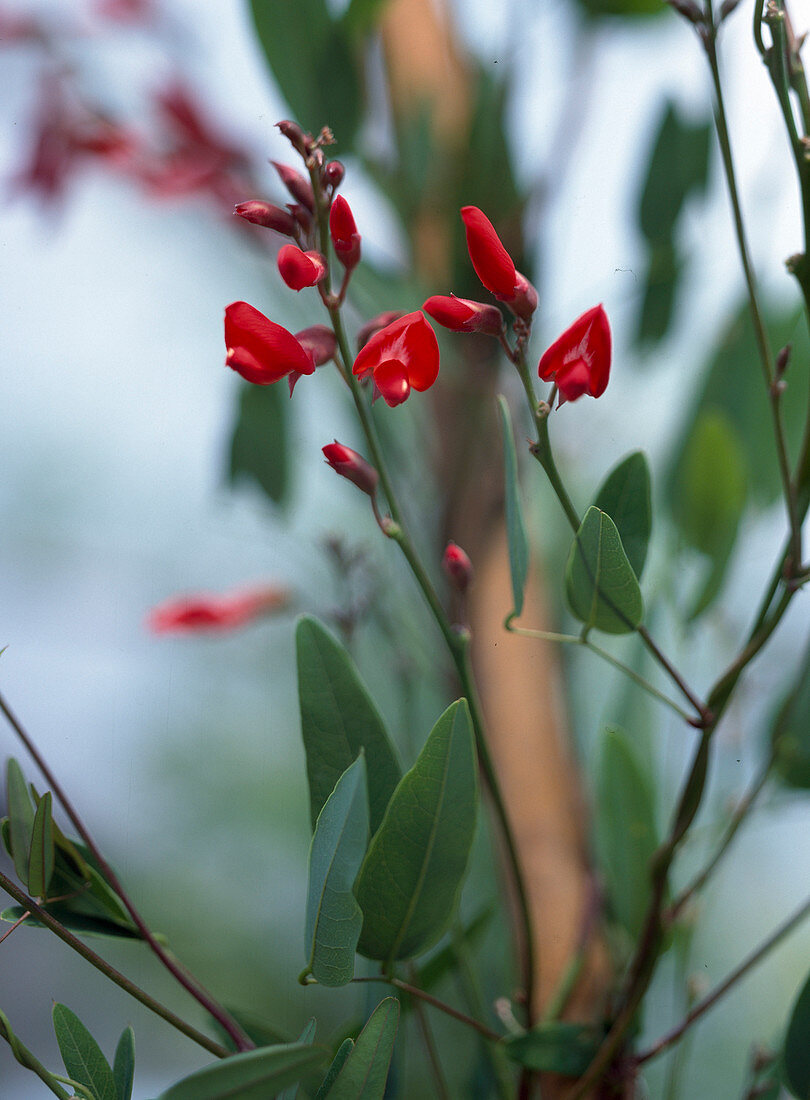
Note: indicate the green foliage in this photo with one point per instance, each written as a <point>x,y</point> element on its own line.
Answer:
<point>307,1036</point>
<point>632,9</point>
<point>43,851</point>
<point>343,1052</point>
<point>334,919</point>
<point>445,961</point>
<point>555,1047</point>
<point>303,39</point>
<point>600,584</point>
<point>361,15</point>
<point>338,719</point>
<point>626,835</point>
<point>124,1064</point>
<point>625,496</point>
<point>790,732</point>
<point>796,1055</point>
<point>20,819</point>
<point>364,1071</point>
<point>254,1075</point>
<point>259,441</point>
<point>515,526</point>
<point>409,882</point>
<point>84,1061</point>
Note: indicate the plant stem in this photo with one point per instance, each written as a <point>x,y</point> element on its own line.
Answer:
<point>442,1006</point>
<point>638,679</point>
<point>50,922</point>
<point>712,998</point>
<point>24,1056</point>
<point>442,1091</point>
<point>190,984</point>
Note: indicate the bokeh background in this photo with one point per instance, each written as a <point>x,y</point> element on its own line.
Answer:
<point>117,415</point>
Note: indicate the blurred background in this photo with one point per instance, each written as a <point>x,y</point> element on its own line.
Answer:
<point>127,131</point>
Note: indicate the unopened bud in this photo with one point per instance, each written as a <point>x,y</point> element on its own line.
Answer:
<point>782,361</point>
<point>334,173</point>
<point>463,315</point>
<point>300,140</point>
<point>523,302</point>
<point>382,320</point>
<point>264,213</point>
<point>351,465</point>
<point>301,215</point>
<point>457,566</point>
<point>319,341</point>
<point>343,230</point>
<point>688,9</point>
<point>299,188</point>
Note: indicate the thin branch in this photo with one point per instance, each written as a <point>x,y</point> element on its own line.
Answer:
<point>442,1006</point>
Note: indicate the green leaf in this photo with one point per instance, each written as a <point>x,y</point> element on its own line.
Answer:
<point>42,854</point>
<point>633,9</point>
<point>124,1064</point>
<point>338,719</point>
<point>515,527</point>
<point>254,1075</point>
<point>626,497</point>
<point>446,960</point>
<point>84,1061</point>
<point>365,1070</point>
<point>307,1036</point>
<point>21,819</point>
<point>259,442</point>
<point>343,1052</point>
<point>311,57</point>
<point>79,923</point>
<point>334,918</point>
<point>361,15</point>
<point>600,584</point>
<point>410,878</point>
<point>710,496</point>
<point>664,268</point>
<point>678,166</point>
<point>555,1047</point>
<point>796,1055</point>
<point>625,829</point>
<point>790,731</point>
<point>256,1028</point>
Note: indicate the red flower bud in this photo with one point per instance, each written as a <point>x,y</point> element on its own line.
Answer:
<point>462,315</point>
<point>351,465</point>
<point>264,213</point>
<point>523,302</point>
<point>373,326</point>
<point>300,140</point>
<point>193,614</point>
<point>259,350</point>
<point>401,356</point>
<point>579,360</point>
<point>457,566</point>
<point>493,264</point>
<point>334,173</point>
<point>345,238</point>
<point>319,341</point>
<point>299,188</point>
<point>299,269</point>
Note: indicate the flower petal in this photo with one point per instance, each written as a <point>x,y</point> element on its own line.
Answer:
<point>493,264</point>
<point>265,350</point>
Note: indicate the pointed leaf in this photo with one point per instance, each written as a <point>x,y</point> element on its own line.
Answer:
<point>790,733</point>
<point>307,1036</point>
<point>80,923</point>
<point>796,1055</point>
<point>515,527</point>
<point>678,166</point>
<point>334,918</point>
<point>254,1075</point>
<point>343,1052</point>
<point>338,719</point>
<point>21,819</point>
<point>555,1048</point>
<point>259,443</point>
<point>600,584</point>
<point>84,1061</point>
<point>625,496</point>
<point>625,829</point>
<point>410,878</point>
<point>42,854</point>
<point>365,1070</point>
<point>124,1064</point>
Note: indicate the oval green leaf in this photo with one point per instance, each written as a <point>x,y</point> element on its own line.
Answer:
<point>20,817</point>
<point>84,1061</point>
<point>254,1075</point>
<point>124,1064</point>
<point>600,584</point>
<point>796,1056</point>
<point>555,1047</point>
<point>42,854</point>
<point>259,443</point>
<point>338,719</point>
<point>343,1052</point>
<point>515,526</point>
<point>365,1071</point>
<point>409,881</point>
<point>625,496</point>
<point>334,919</point>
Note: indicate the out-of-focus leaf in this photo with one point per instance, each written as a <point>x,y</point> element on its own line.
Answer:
<point>600,584</point>
<point>555,1047</point>
<point>259,443</point>
<point>301,40</point>
<point>42,854</point>
<point>629,8</point>
<point>262,1033</point>
<point>361,15</point>
<point>710,496</point>
<point>338,719</point>
<point>796,1054</point>
<point>124,1064</point>
<point>79,923</point>
<point>21,819</point>
<point>343,1052</point>
<point>254,1075</point>
<point>365,1071</point>
<point>84,1061</point>
<point>409,882</point>
<point>790,732</point>
<point>515,527</point>
<point>678,165</point>
<point>307,1036</point>
<point>626,497</point>
<point>625,829</point>
<point>333,918</point>
<point>658,298</point>
<point>445,960</point>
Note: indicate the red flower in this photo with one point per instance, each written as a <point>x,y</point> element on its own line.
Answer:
<point>268,215</point>
<point>259,349</point>
<point>351,465</point>
<point>345,238</point>
<point>494,266</point>
<point>299,269</point>
<point>374,325</point>
<point>462,315</point>
<point>457,566</point>
<point>579,360</point>
<point>401,356</point>
<point>192,614</point>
